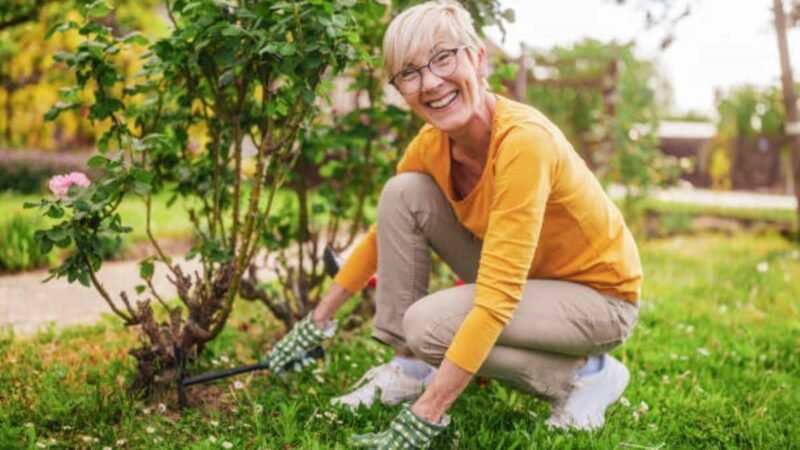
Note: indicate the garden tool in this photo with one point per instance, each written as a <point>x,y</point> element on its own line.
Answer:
<point>315,353</point>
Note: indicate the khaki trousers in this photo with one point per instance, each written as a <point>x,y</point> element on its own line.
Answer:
<point>556,324</point>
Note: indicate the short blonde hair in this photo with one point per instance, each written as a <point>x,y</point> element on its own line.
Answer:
<point>420,27</point>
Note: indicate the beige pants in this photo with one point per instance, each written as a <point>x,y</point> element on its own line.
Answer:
<point>556,324</point>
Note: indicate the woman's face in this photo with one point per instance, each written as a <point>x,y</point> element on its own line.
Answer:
<point>449,102</point>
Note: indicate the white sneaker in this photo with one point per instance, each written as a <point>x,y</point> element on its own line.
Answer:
<point>386,383</point>
<point>585,407</point>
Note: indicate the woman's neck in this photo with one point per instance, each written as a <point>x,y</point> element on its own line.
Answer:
<point>472,141</point>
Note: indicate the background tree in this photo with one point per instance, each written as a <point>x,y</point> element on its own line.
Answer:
<point>30,81</point>
<point>661,16</point>
<point>13,13</point>
<point>601,96</point>
<point>746,114</point>
<point>789,98</point>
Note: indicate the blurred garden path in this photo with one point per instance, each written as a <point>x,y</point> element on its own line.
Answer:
<point>717,199</point>
<point>28,305</point>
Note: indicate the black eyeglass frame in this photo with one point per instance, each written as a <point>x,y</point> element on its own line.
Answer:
<point>454,51</point>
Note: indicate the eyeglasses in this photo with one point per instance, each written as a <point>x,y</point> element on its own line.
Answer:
<point>409,80</point>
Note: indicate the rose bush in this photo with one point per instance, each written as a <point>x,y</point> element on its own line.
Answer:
<point>227,77</point>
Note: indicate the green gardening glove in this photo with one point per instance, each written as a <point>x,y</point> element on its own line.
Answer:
<point>304,336</point>
<point>406,432</point>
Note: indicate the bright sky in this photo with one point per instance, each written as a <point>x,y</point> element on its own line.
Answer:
<point>721,44</point>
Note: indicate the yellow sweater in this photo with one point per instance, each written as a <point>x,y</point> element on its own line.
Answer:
<point>540,213</point>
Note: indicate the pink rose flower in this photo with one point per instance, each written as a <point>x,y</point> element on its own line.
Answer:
<point>59,184</point>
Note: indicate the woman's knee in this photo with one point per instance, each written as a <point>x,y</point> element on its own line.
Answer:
<point>418,331</point>
<point>430,324</point>
<point>406,185</point>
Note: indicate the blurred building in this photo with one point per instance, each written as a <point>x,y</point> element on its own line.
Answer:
<point>756,164</point>
<point>686,141</point>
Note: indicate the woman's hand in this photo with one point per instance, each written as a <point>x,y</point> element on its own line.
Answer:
<point>309,332</point>
<point>416,426</point>
<point>295,346</point>
<point>406,432</point>
<point>448,383</point>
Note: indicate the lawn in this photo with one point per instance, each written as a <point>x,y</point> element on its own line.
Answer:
<point>715,363</point>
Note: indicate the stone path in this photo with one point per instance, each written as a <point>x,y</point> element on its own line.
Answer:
<point>707,197</point>
<point>28,305</point>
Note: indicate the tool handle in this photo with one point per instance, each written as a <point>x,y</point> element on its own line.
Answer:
<point>316,353</point>
<point>224,373</point>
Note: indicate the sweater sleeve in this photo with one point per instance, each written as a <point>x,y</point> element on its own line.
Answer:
<point>525,168</point>
<point>363,261</point>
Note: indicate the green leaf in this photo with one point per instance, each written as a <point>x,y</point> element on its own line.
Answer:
<point>56,234</point>
<point>287,49</point>
<point>226,78</point>
<point>29,205</point>
<point>140,188</point>
<point>309,96</point>
<point>140,288</point>
<point>135,38</point>
<point>65,57</point>
<point>232,30</point>
<point>143,176</point>
<point>105,108</point>
<point>146,269</point>
<point>60,28</point>
<point>99,8</point>
<point>56,109</point>
<point>55,212</point>
<point>97,161</point>
<point>83,278</point>
<point>64,243</point>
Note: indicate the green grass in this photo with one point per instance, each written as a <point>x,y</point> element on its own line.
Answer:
<point>714,362</point>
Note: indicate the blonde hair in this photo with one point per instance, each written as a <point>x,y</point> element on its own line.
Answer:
<point>419,28</point>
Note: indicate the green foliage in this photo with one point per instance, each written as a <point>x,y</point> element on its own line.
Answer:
<point>31,73</point>
<point>745,113</point>
<point>714,363</point>
<point>19,248</point>
<point>18,12</point>
<point>749,111</point>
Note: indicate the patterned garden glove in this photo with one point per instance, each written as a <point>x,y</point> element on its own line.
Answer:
<point>406,432</point>
<point>304,336</point>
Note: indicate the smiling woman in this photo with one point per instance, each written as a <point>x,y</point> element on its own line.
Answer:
<point>440,40</point>
<point>552,274</point>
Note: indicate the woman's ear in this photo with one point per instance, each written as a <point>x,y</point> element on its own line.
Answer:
<point>483,64</point>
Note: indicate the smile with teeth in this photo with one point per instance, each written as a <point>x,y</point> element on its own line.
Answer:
<point>444,101</point>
